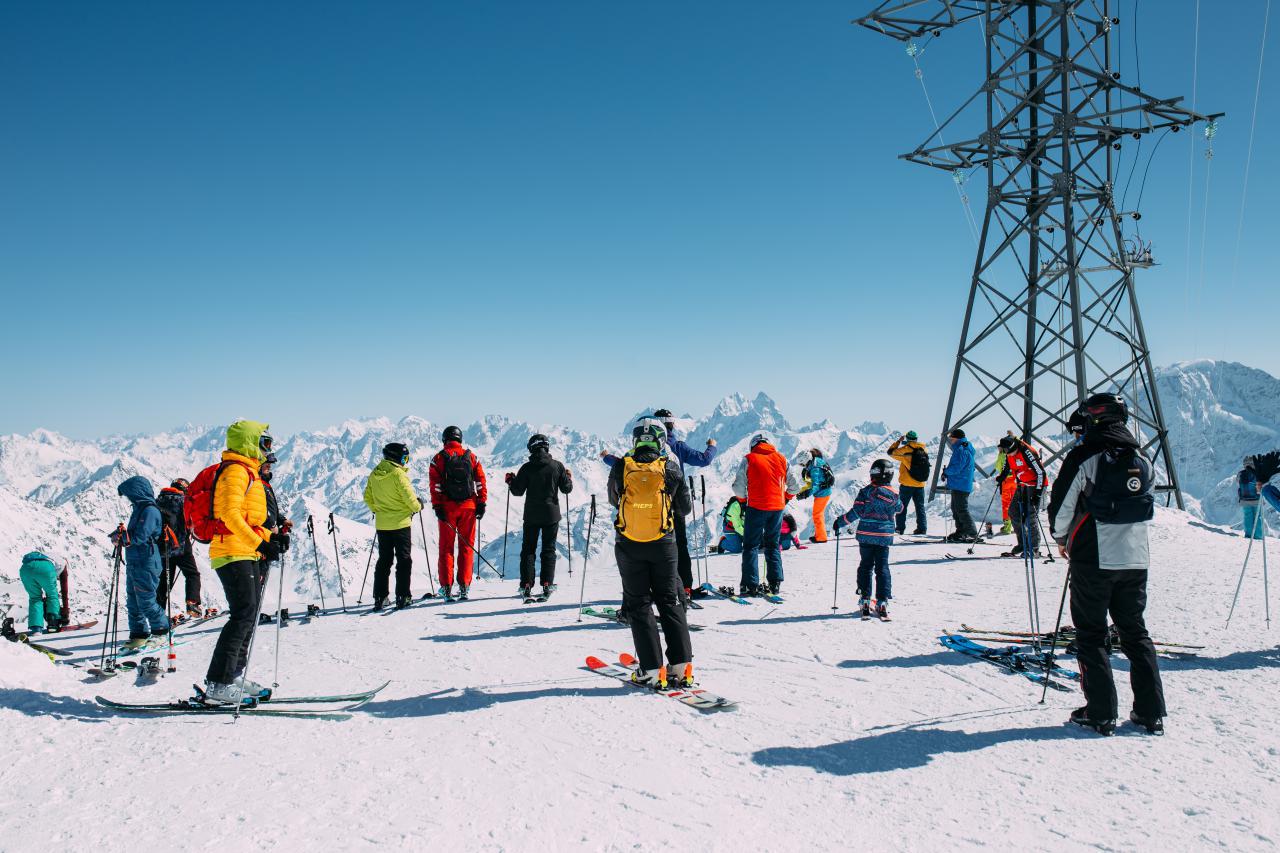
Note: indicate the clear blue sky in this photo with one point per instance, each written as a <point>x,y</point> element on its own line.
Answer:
<point>302,212</point>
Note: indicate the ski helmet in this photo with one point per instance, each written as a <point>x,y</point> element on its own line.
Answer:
<point>667,418</point>
<point>759,438</point>
<point>1008,443</point>
<point>396,452</point>
<point>649,432</point>
<point>538,440</point>
<point>956,433</point>
<point>451,433</point>
<point>1104,409</point>
<point>882,472</point>
<point>180,484</point>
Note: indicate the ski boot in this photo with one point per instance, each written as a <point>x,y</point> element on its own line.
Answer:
<point>378,604</point>
<point>210,612</point>
<point>547,589</point>
<point>681,675</point>
<point>220,694</point>
<point>1006,528</point>
<point>882,611</point>
<point>403,601</point>
<point>1153,725</point>
<point>251,689</point>
<point>525,592</point>
<point>446,592</point>
<point>463,591</point>
<point>135,643</point>
<point>656,680</point>
<point>864,607</point>
<point>266,619</point>
<point>1080,716</point>
<point>775,587</point>
<point>193,610</point>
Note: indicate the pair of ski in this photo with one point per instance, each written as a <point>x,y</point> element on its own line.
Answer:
<point>264,706</point>
<point>1066,635</point>
<point>613,614</point>
<point>694,697</point>
<point>1013,659</point>
<point>729,593</point>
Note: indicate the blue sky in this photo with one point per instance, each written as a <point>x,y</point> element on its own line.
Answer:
<point>303,212</point>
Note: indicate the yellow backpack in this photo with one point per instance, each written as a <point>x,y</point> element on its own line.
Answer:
<point>644,512</point>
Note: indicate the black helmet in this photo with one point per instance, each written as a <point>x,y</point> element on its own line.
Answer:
<point>538,440</point>
<point>649,432</point>
<point>180,484</point>
<point>1008,443</point>
<point>451,433</point>
<point>396,452</point>
<point>1076,423</point>
<point>882,472</point>
<point>1104,409</point>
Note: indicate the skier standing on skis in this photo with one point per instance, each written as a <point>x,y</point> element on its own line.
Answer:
<point>958,476</point>
<point>39,578</point>
<point>459,494</point>
<point>1099,511</point>
<point>876,509</point>
<point>684,455</point>
<point>913,472</point>
<point>390,497</point>
<point>541,480</point>
<point>237,554</point>
<point>1022,463</point>
<point>648,491</point>
<point>147,618</point>
<point>766,482</point>
<point>821,480</point>
<point>181,556</point>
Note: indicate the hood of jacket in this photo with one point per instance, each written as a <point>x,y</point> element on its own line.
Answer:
<point>243,438</point>
<point>763,448</point>
<point>138,490</point>
<point>385,468</point>
<point>539,454</point>
<point>645,454</point>
<point>1110,435</point>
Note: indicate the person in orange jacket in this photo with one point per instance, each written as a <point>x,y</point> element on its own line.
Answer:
<point>768,483</point>
<point>459,494</point>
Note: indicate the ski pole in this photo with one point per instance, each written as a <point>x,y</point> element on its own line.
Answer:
<point>367,564</point>
<point>591,523</point>
<point>835,587</point>
<point>506,529</point>
<point>171,658</point>
<point>568,533</point>
<point>1057,626</point>
<point>1243,569</point>
<point>342,593</point>
<point>706,551</point>
<point>985,513</point>
<point>275,680</point>
<point>311,531</point>
<point>113,596</point>
<point>1266,592</point>
<point>464,541</point>
<point>422,526</point>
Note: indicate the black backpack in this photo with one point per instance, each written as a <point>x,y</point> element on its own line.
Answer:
<point>459,476</point>
<point>919,467</point>
<point>170,506</point>
<point>1122,491</point>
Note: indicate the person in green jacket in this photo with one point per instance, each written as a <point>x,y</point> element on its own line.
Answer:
<point>389,495</point>
<point>39,578</point>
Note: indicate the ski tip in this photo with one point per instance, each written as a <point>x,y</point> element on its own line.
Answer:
<point>626,659</point>
<point>594,662</point>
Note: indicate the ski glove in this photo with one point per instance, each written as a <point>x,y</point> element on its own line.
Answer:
<point>439,510</point>
<point>479,510</point>
<point>838,526</point>
<point>510,477</point>
<point>270,548</point>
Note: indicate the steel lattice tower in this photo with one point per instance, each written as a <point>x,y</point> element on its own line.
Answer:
<point>1052,315</point>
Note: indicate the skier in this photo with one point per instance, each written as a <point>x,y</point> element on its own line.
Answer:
<point>276,521</point>
<point>1007,486</point>
<point>913,471</point>
<point>390,497</point>
<point>958,475</point>
<point>1023,466</point>
<point>876,510</point>
<point>1099,511</point>
<point>237,554</point>
<point>1247,492</point>
<point>39,578</point>
<point>648,491</point>
<point>788,536</point>
<point>766,482</point>
<point>731,527</point>
<point>684,455</point>
<point>182,556</point>
<point>459,494</point>
<point>147,618</point>
<point>821,480</point>
<point>541,480</point>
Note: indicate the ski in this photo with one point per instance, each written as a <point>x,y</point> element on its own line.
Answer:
<point>1065,635</point>
<point>191,707</point>
<point>272,699</point>
<point>41,647</point>
<point>122,652</point>
<point>695,697</point>
<point>724,592</point>
<point>610,614</point>
<point>1011,659</point>
<point>965,557</point>
<point>80,626</point>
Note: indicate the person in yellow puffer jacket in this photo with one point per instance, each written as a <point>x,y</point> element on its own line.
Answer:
<point>910,489</point>
<point>240,503</point>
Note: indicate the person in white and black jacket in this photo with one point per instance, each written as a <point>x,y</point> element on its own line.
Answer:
<point>1099,511</point>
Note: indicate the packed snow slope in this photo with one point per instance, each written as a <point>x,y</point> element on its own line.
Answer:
<point>59,495</point>
<point>492,735</point>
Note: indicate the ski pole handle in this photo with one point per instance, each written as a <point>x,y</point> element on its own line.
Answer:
<point>703,479</point>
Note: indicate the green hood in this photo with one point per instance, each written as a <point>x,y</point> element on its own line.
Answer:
<point>243,438</point>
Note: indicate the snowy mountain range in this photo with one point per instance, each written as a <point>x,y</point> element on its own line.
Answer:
<point>58,495</point>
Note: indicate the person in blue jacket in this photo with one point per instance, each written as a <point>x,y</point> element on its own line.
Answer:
<point>684,455</point>
<point>958,475</point>
<point>142,563</point>
<point>876,510</point>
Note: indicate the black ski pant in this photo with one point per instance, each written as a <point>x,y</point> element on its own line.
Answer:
<point>1024,514</point>
<point>1095,593</point>
<point>241,585</point>
<point>184,561</point>
<point>529,552</point>
<point>910,495</point>
<point>649,577</point>
<point>393,545</point>
<point>684,565</point>
<point>961,515</point>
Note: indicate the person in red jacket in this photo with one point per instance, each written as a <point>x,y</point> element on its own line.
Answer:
<point>459,494</point>
<point>1023,466</point>
<point>768,483</point>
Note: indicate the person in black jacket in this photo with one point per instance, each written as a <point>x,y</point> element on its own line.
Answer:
<point>541,480</point>
<point>1099,511</point>
<point>180,555</point>
<point>648,490</point>
<point>276,522</point>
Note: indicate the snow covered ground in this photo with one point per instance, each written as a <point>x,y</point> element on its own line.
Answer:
<point>492,736</point>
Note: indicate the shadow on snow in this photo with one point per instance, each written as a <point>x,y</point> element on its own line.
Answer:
<point>475,699</point>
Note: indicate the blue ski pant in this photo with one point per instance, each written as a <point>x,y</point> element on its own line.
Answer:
<point>874,563</point>
<point>761,530</point>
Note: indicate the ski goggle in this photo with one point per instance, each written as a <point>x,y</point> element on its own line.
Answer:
<point>404,460</point>
<point>264,443</point>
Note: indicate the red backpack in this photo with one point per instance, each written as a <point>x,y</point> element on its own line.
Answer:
<point>197,509</point>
